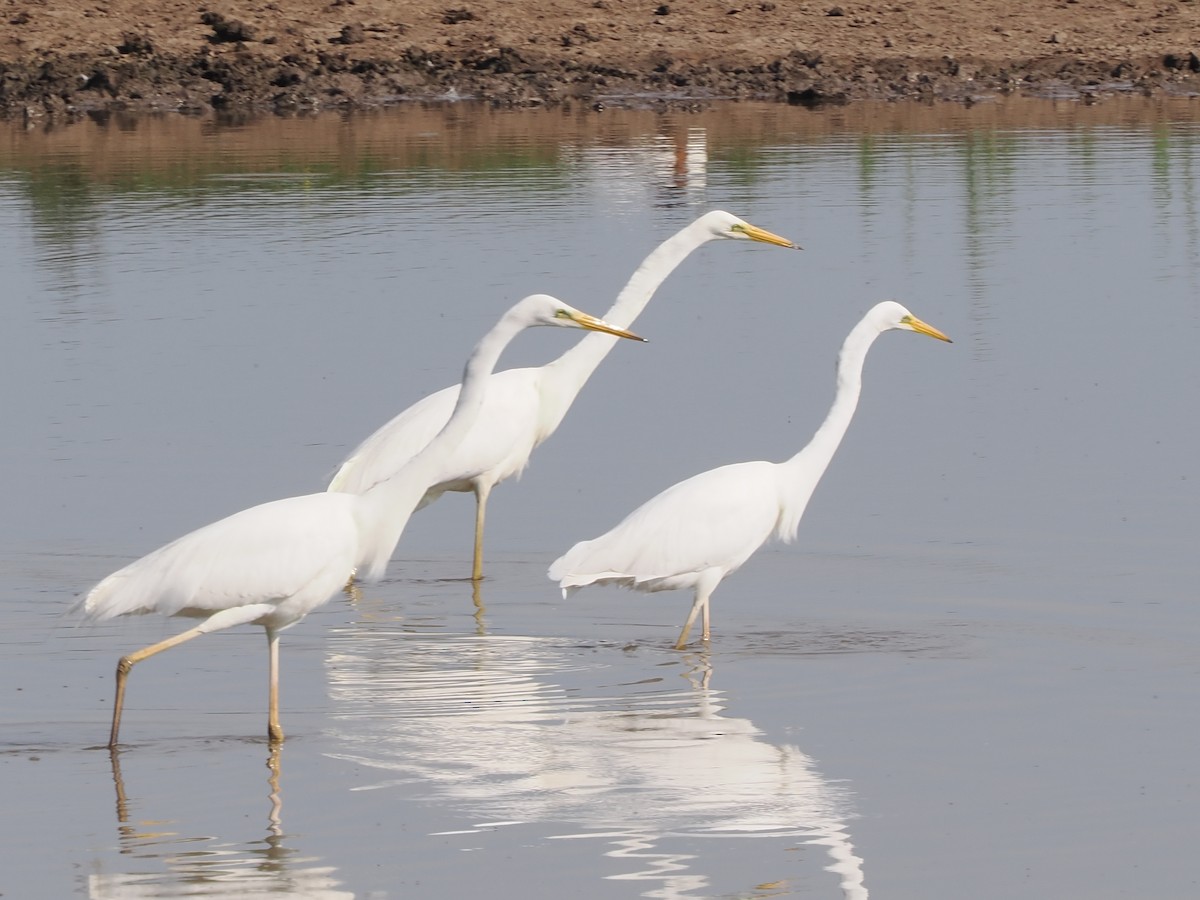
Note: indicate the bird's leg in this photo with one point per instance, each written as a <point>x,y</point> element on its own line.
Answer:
<point>701,600</point>
<point>226,618</point>
<point>126,663</point>
<point>705,585</point>
<point>274,729</point>
<point>482,490</point>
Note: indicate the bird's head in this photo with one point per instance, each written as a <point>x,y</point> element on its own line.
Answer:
<point>889,314</point>
<point>542,309</point>
<point>726,225</point>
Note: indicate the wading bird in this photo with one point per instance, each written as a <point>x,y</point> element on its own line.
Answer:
<point>696,532</point>
<point>523,406</point>
<point>272,564</point>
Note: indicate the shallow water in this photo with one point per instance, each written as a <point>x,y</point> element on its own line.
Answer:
<point>973,674</point>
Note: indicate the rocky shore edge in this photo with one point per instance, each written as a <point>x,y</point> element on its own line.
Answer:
<point>135,77</point>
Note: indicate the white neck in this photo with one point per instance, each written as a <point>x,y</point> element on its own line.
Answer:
<point>570,372</point>
<point>386,507</point>
<point>803,471</point>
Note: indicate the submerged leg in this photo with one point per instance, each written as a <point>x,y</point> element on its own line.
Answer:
<point>274,730</point>
<point>481,499</point>
<point>226,618</point>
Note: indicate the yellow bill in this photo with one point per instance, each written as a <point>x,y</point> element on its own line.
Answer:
<point>583,320</point>
<point>924,328</point>
<point>766,237</point>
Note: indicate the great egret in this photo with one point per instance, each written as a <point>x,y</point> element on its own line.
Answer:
<point>523,406</point>
<point>271,564</point>
<point>696,532</point>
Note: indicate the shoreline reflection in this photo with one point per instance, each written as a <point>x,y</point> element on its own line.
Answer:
<point>516,730</point>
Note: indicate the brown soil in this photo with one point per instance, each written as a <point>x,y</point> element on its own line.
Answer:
<point>63,57</point>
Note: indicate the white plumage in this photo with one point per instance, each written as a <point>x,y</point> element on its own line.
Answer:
<point>278,552</point>
<point>523,406</point>
<point>272,564</point>
<point>700,530</point>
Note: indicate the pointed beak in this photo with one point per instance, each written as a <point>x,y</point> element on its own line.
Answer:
<point>766,237</point>
<point>925,328</point>
<point>583,320</point>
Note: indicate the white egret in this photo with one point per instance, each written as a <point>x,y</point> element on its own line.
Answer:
<point>698,531</point>
<point>270,565</point>
<point>523,406</point>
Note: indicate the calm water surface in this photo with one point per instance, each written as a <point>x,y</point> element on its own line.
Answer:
<point>974,674</point>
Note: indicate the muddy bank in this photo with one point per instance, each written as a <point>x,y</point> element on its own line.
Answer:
<point>76,57</point>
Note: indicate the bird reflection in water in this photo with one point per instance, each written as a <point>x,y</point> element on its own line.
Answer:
<point>517,730</point>
<point>668,169</point>
<point>218,870</point>
<point>379,612</point>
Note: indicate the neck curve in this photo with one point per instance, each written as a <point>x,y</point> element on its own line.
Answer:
<point>571,371</point>
<point>386,507</point>
<point>803,471</point>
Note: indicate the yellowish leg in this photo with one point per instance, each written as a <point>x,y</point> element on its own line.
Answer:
<point>128,662</point>
<point>687,626</point>
<point>481,499</point>
<point>274,729</point>
<point>706,584</point>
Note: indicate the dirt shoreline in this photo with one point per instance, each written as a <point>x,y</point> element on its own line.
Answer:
<point>63,58</point>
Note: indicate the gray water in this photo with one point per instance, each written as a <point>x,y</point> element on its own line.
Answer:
<point>973,675</point>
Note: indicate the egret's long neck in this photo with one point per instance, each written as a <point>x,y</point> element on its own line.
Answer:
<point>566,376</point>
<point>386,507</point>
<point>803,471</point>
